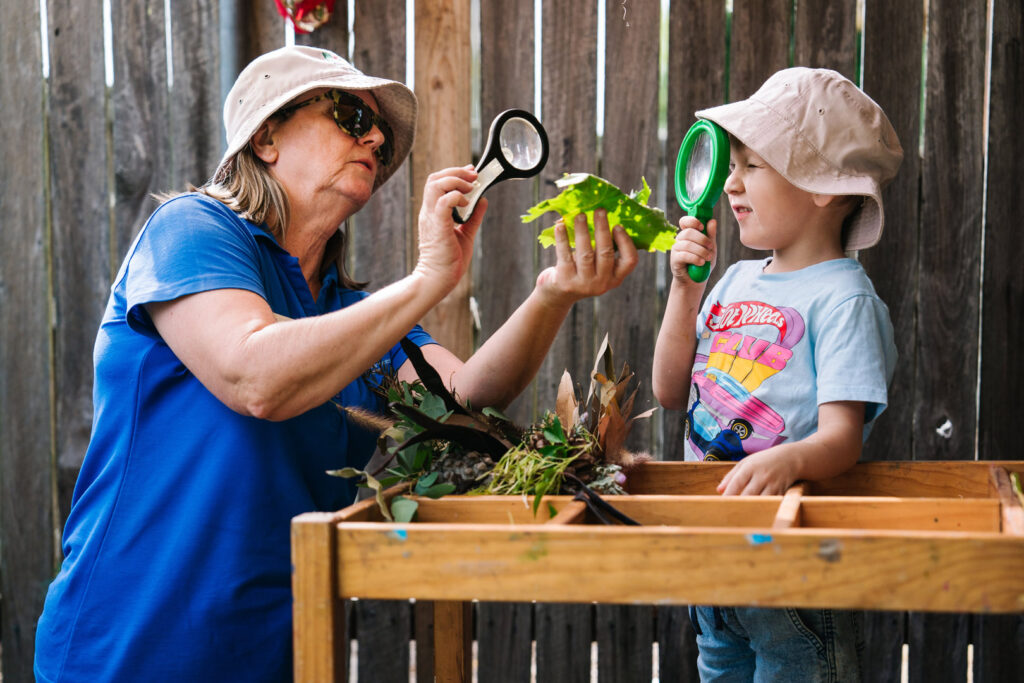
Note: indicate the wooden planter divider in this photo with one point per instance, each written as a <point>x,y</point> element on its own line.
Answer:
<point>915,535</point>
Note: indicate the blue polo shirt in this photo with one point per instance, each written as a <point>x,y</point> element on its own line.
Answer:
<point>177,561</point>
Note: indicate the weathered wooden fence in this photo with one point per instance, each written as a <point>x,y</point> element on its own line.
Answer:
<point>82,157</point>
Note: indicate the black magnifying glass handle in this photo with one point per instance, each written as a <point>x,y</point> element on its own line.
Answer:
<point>517,147</point>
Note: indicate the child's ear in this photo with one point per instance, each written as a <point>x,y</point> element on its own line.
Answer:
<point>823,200</point>
<point>262,143</point>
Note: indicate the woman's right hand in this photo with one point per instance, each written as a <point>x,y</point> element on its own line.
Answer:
<point>692,247</point>
<point>445,247</point>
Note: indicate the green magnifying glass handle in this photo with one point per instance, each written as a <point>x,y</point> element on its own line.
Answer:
<point>700,273</point>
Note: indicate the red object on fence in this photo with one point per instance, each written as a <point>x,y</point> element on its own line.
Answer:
<point>305,15</point>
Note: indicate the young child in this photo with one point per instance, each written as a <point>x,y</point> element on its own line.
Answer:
<point>786,365</point>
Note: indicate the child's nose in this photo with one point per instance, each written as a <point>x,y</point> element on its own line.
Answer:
<point>733,183</point>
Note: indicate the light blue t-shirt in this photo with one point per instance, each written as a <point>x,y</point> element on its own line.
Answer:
<point>773,347</point>
<point>177,546</point>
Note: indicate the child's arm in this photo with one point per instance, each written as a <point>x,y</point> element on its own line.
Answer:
<point>830,451</point>
<point>677,338</point>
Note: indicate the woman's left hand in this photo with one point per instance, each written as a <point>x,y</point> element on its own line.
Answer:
<point>592,269</point>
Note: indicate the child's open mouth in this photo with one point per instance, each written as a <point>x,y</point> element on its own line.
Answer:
<point>740,211</point>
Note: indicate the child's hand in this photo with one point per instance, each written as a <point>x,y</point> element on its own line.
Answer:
<point>692,247</point>
<point>766,473</point>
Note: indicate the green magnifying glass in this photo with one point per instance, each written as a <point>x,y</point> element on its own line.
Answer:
<point>701,169</point>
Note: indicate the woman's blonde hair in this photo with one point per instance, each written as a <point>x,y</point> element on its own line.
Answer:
<point>248,188</point>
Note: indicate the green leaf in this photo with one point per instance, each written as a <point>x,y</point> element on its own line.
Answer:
<point>553,431</point>
<point>433,406</point>
<point>583,193</point>
<point>426,481</point>
<point>552,510</point>
<point>494,412</point>
<point>350,472</point>
<point>403,509</point>
<point>436,491</point>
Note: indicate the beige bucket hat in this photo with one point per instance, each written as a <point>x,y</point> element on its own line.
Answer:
<point>823,135</point>
<point>276,78</point>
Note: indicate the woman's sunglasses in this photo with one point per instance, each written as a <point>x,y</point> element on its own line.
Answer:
<point>354,117</point>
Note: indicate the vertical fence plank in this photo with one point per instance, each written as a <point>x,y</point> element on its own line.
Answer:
<point>261,28</point>
<point>504,274</point>
<point>893,36</point>
<point>629,314</point>
<point>948,293</point>
<point>81,221</point>
<point>825,35</point>
<point>631,151</point>
<point>443,87</point>
<point>696,80</point>
<point>506,261</point>
<point>381,238</point>
<point>141,145</point>
<point>951,210</point>
<point>569,93</point>
<point>1003,278</point>
<point>197,138</point>
<point>27,526</point>
<point>996,637</point>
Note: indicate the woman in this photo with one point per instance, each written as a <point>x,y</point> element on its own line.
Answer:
<point>229,332</point>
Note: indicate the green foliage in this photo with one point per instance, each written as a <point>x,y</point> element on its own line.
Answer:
<point>583,193</point>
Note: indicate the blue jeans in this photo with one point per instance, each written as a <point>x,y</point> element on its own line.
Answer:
<point>756,644</point>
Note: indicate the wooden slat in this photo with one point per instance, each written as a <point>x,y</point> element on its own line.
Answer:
<point>505,640</point>
<point>825,35</point>
<point>839,568</point>
<point>696,79</point>
<point>624,634</point>
<point>952,204</point>
<point>28,551</point>
<point>261,29</point>
<point>453,641</point>
<point>924,514</point>
<point>893,34</point>
<point>381,236</point>
<point>677,645</point>
<point>926,633</point>
<point>998,640</point>
<point>789,514</point>
<point>443,87</point>
<point>195,103</point>
<point>1012,514</point>
<point>383,628</point>
<point>630,150</point>
<point>141,145</point>
<point>906,479</point>
<point>699,511</point>
<point>1003,278</point>
<point>569,111</point>
<point>320,642</point>
<point>80,213</point>
<point>505,268</point>
<point>573,513</point>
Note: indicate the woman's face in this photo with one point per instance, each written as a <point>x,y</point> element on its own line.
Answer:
<point>317,161</point>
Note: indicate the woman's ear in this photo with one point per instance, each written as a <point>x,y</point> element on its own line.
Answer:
<point>262,143</point>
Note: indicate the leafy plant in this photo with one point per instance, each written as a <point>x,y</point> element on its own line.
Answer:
<point>583,193</point>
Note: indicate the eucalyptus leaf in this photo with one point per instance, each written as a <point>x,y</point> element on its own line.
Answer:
<point>403,509</point>
<point>584,193</point>
<point>378,489</point>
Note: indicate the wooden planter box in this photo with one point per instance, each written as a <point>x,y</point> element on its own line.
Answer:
<point>923,536</point>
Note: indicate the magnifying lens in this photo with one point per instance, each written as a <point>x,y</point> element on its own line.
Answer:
<point>517,147</point>
<point>701,169</point>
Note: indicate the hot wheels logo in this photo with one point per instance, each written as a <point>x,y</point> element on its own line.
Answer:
<point>745,313</point>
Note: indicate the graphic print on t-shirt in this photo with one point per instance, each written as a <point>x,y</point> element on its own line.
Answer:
<point>751,342</point>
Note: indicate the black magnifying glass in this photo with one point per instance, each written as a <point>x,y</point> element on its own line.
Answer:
<point>517,147</point>
<point>701,170</point>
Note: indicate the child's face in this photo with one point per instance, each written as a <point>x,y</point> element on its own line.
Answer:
<point>772,212</point>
